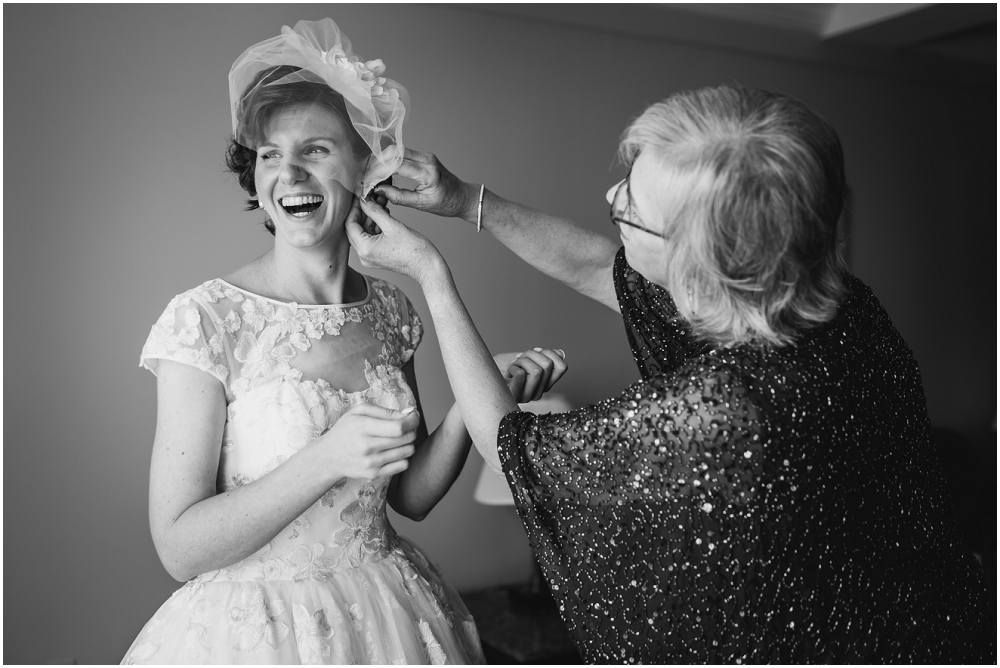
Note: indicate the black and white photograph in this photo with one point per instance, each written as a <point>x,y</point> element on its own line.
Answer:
<point>576,333</point>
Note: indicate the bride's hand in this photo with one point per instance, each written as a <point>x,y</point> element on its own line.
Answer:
<point>438,191</point>
<point>390,244</point>
<point>532,373</point>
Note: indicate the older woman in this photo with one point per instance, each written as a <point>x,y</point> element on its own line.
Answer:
<point>767,492</point>
<point>288,411</point>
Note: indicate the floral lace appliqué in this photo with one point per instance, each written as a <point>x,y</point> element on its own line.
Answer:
<point>364,533</point>
<point>256,621</point>
<point>312,633</point>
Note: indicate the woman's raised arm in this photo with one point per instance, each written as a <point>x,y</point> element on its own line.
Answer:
<point>555,246</point>
<point>480,390</point>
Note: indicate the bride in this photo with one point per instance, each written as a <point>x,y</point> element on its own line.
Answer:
<point>288,413</point>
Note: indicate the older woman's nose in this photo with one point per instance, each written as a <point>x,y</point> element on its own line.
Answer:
<point>612,191</point>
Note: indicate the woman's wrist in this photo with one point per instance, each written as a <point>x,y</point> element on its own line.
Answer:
<point>318,458</point>
<point>436,275</point>
<point>470,207</point>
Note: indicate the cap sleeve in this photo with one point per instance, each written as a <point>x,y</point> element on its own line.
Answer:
<point>188,333</point>
<point>412,330</point>
<point>660,339</point>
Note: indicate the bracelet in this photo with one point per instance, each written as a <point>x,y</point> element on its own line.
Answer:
<point>479,209</point>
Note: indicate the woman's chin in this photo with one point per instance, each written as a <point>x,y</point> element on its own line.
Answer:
<point>309,234</point>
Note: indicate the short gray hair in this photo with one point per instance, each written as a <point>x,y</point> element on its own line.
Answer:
<point>755,184</point>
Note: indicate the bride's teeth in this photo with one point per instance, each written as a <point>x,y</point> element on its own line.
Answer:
<point>299,200</point>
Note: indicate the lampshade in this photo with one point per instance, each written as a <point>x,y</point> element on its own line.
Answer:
<point>491,489</point>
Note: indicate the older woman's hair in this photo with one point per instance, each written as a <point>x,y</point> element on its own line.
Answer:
<point>753,185</point>
<point>257,107</point>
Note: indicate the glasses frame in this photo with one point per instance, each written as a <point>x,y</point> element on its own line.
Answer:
<point>618,220</point>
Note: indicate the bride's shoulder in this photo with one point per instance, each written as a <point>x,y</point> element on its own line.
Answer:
<point>249,278</point>
<point>384,289</point>
<point>212,295</point>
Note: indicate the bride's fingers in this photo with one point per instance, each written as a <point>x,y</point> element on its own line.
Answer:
<point>553,363</point>
<point>559,366</point>
<point>536,377</point>
<point>515,383</point>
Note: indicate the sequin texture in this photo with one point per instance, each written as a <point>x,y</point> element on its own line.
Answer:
<point>751,504</point>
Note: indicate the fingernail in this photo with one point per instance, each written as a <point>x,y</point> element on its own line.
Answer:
<point>407,411</point>
<point>562,353</point>
<point>537,350</point>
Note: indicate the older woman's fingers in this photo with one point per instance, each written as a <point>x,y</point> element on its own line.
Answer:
<point>379,214</point>
<point>414,155</point>
<point>356,229</point>
<point>360,240</point>
<point>363,219</point>
<point>420,169</point>
<point>355,214</point>
<point>392,194</point>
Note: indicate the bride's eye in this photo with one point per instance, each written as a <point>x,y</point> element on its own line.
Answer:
<point>317,150</point>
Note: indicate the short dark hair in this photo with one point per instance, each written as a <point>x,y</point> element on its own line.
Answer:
<point>258,105</point>
<point>755,183</point>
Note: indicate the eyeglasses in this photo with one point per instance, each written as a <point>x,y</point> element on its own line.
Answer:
<point>621,208</point>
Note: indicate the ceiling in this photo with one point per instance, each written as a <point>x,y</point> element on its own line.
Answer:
<point>949,42</point>
<point>959,31</point>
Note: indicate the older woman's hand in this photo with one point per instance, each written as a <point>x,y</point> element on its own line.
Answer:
<point>367,223</point>
<point>390,244</point>
<point>438,191</point>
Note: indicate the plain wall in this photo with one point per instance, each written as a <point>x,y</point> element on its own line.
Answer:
<point>115,120</point>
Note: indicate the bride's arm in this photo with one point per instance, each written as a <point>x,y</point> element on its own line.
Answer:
<point>434,466</point>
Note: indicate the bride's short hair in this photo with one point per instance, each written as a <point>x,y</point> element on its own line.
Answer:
<point>753,184</point>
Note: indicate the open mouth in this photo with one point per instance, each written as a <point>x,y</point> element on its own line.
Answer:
<point>300,206</point>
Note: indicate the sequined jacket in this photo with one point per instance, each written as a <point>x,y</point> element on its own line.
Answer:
<point>752,504</point>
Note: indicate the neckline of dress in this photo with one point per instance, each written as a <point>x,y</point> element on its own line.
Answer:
<point>368,296</point>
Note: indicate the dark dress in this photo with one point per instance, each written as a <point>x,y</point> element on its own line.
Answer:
<point>752,504</point>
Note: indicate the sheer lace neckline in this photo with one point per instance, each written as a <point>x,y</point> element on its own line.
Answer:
<point>368,296</point>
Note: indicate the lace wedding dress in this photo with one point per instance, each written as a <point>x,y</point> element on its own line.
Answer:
<point>337,585</point>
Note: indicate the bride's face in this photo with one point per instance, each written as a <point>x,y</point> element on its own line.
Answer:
<point>306,172</point>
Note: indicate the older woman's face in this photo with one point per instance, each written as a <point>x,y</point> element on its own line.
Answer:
<point>305,174</point>
<point>644,251</point>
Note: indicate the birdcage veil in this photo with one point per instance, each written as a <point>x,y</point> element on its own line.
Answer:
<point>318,53</point>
